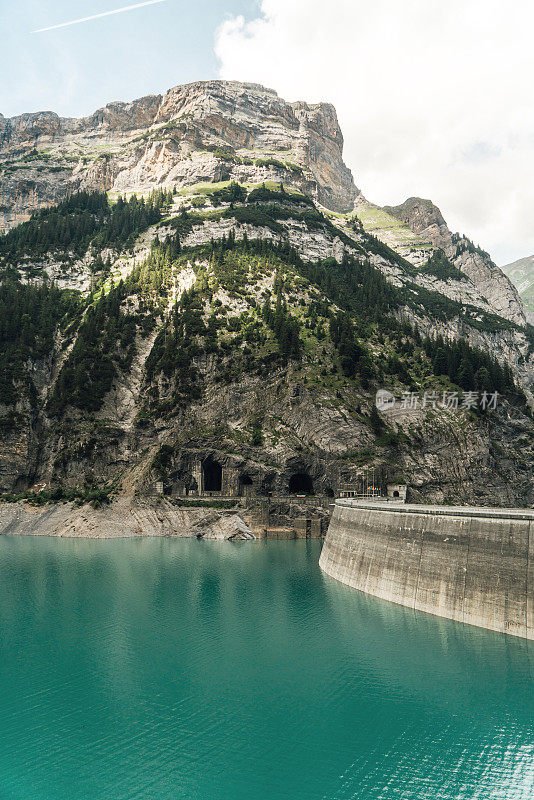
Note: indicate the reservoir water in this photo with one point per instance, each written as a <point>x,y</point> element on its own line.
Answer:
<point>170,669</point>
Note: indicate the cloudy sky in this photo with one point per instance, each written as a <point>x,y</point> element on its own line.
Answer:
<point>434,97</point>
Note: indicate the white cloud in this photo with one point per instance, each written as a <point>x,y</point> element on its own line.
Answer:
<point>434,99</point>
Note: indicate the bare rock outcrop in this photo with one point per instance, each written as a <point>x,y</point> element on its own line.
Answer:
<point>206,131</point>
<point>124,518</point>
<point>426,220</point>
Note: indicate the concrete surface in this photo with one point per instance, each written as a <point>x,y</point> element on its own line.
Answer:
<point>473,565</point>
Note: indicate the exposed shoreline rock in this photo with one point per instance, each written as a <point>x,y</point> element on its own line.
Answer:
<point>125,518</point>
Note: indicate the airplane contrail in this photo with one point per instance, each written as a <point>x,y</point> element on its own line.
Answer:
<point>103,14</point>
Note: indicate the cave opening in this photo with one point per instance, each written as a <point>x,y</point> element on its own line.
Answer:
<point>300,483</point>
<point>212,474</point>
<point>245,485</point>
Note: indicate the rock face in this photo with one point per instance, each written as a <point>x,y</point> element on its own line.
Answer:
<point>203,132</point>
<point>203,369</point>
<point>124,519</point>
<point>426,220</point>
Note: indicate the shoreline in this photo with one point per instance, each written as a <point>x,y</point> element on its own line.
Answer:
<point>124,518</point>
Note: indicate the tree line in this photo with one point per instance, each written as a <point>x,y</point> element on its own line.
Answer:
<point>29,316</point>
<point>469,368</point>
<point>83,219</point>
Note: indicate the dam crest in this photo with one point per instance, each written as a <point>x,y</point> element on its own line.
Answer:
<point>472,565</point>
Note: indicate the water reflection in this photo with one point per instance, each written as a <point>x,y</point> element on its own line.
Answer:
<point>464,697</point>
<point>164,668</point>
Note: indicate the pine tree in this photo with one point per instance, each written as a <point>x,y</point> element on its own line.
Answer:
<point>465,377</point>
<point>440,362</point>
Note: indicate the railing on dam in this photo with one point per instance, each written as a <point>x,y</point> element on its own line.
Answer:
<point>445,511</point>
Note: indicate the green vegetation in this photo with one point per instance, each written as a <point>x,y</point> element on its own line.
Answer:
<point>29,317</point>
<point>379,248</point>
<point>439,265</point>
<point>339,316</point>
<point>104,344</point>
<point>175,349</point>
<point>469,368</point>
<point>95,496</point>
<point>270,162</point>
<point>233,193</point>
<point>228,155</point>
<point>268,216</point>
<point>443,308</point>
<point>354,285</point>
<point>284,326</point>
<point>465,245</point>
<point>264,194</point>
<point>82,220</point>
<point>354,358</point>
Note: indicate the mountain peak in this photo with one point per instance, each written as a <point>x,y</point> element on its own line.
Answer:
<point>207,131</point>
<point>425,219</point>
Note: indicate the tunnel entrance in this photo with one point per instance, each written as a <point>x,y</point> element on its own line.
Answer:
<point>300,483</point>
<point>245,485</point>
<point>212,475</point>
<point>396,493</point>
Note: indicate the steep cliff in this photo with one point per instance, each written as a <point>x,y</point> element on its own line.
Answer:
<point>250,334</point>
<point>426,220</point>
<point>521,273</point>
<point>207,131</point>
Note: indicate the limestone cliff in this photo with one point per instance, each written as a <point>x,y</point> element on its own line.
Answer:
<point>521,273</point>
<point>207,131</point>
<point>230,332</point>
<point>426,220</point>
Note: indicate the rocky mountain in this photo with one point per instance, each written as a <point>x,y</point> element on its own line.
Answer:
<point>200,301</point>
<point>521,273</point>
<point>426,220</point>
<point>207,131</point>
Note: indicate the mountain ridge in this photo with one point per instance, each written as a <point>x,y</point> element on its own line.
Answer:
<point>521,273</point>
<point>99,152</point>
<point>203,131</point>
<point>426,220</point>
<point>193,303</point>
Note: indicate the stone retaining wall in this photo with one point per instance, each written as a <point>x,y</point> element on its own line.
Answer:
<point>474,565</point>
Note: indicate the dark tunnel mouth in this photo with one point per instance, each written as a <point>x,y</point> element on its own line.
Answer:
<point>212,472</point>
<point>301,483</point>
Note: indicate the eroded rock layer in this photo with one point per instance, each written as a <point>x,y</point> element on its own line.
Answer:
<point>207,131</point>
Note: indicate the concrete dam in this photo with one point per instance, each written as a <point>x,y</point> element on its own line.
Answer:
<point>473,565</point>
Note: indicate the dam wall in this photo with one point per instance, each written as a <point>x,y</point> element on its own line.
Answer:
<point>473,565</point>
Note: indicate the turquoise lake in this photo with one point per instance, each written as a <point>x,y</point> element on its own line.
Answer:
<point>160,668</point>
